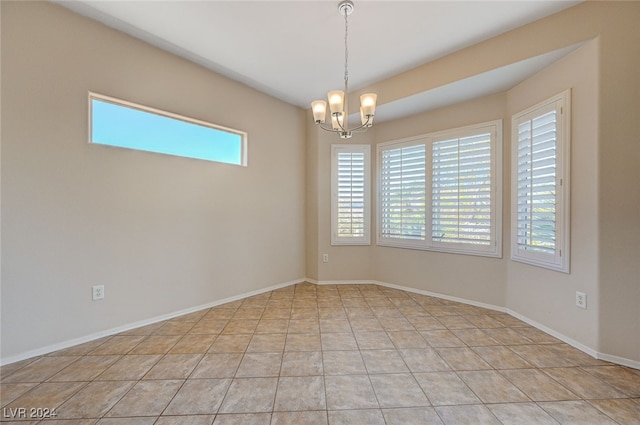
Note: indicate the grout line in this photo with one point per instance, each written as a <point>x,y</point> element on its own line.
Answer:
<point>361,294</point>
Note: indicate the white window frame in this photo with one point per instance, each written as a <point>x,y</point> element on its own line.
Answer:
<point>494,248</point>
<point>560,260</point>
<point>336,237</point>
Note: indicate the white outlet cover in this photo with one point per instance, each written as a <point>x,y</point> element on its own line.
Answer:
<point>581,300</point>
<point>97,292</point>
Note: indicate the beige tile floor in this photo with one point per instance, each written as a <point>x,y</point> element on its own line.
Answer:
<point>306,354</point>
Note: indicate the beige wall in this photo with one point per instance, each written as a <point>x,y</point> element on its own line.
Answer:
<point>542,295</point>
<point>619,179</point>
<point>346,263</point>
<point>311,198</point>
<point>605,197</point>
<point>165,234</point>
<point>480,279</point>
<point>161,233</point>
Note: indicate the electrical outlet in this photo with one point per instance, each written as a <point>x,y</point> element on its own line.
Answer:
<point>97,292</point>
<point>325,258</point>
<point>581,300</point>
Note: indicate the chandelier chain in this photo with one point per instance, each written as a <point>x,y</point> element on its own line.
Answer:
<point>346,47</point>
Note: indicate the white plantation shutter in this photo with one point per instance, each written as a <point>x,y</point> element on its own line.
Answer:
<point>536,221</point>
<point>540,166</point>
<point>461,190</point>
<point>350,200</point>
<point>402,192</point>
<point>350,194</point>
<point>438,191</point>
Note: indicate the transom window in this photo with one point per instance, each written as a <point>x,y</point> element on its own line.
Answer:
<point>123,124</point>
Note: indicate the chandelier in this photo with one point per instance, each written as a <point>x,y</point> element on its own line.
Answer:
<point>338,102</point>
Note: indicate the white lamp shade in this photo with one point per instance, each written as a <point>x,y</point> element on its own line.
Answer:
<point>319,108</point>
<point>336,101</point>
<point>368,103</point>
<point>368,121</point>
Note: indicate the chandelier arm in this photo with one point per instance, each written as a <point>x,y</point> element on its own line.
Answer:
<point>344,134</point>
<point>362,126</point>
<point>344,118</point>
<point>331,129</point>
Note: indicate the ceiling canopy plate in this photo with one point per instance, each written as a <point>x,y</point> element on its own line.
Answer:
<point>345,7</point>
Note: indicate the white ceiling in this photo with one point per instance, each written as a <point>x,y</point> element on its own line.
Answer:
<point>294,50</point>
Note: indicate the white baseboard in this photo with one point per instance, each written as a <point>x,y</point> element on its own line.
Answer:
<point>593,353</point>
<point>444,297</point>
<point>619,360</point>
<point>343,282</point>
<point>108,332</point>
<point>66,344</point>
<point>585,349</point>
